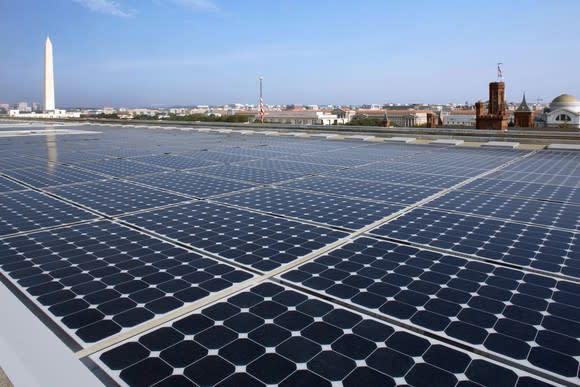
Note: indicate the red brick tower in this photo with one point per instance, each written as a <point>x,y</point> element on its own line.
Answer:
<point>496,115</point>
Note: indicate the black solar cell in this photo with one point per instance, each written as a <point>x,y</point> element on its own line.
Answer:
<point>509,312</point>
<point>99,278</point>
<point>329,345</point>
<point>251,239</point>
<point>29,210</point>
<point>518,244</point>
<point>522,210</point>
<point>334,211</point>
<point>113,197</point>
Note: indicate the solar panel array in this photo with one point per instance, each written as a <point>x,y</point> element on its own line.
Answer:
<point>171,257</point>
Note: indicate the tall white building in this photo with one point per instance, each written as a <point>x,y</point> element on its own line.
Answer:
<point>49,105</point>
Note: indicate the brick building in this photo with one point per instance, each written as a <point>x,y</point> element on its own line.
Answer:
<point>495,116</point>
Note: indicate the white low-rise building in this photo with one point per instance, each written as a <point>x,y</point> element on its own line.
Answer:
<point>402,118</point>
<point>57,113</point>
<point>302,117</point>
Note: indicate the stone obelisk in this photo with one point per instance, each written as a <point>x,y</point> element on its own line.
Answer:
<point>48,77</point>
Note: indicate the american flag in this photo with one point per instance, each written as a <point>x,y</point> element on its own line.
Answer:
<point>262,112</point>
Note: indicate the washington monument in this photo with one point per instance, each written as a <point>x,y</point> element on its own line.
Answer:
<point>48,77</point>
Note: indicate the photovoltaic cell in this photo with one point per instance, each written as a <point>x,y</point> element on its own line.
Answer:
<point>52,175</point>
<point>374,174</point>
<point>526,317</point>
<point>348,213</point>
<point>192,184</point>
<point>551,162</point>
<point>218,157</point>
<point>10,186</point>
<point>541,178</point>
<point>428,169</point>
<point>121,168</point>
<point>555,193</point>
<point>174,162</point>
<point>330,159</point>
<point>253,175</point>
<point>290,166</point>
<point>523,210</point>
<point>254,240</point>
<point>100,278</point>
<point>273,335</point>
<point>405,194</point>
<point>28,210</point>
<point>19,162</point>
<point>113,197</point>
<point>527,246</point>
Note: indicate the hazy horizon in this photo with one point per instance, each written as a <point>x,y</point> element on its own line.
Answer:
<point>188,52</point>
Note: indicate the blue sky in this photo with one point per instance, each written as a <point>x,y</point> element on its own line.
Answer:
<point>183,52</point>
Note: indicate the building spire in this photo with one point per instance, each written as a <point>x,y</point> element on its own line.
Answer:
<point>524,107</point>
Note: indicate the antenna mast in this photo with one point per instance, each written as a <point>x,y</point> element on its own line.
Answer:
<point>499,72</point>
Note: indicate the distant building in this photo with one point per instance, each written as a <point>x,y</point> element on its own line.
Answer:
<point>301,117</point>
<point>523,115</point>
<point>402,118</point>
<point>495,116</point>
<point>344,116</point>
<point>462,118</point>
<point>564,111</point>
<point>23,107</point>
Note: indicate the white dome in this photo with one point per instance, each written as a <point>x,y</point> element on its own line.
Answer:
<point>566,101</point>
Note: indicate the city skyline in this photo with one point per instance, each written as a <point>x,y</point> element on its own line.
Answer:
<point>187,52</point>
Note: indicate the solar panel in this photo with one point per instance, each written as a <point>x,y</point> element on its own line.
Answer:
<point>275,335</point>
<point>518,244</point>
<point>426,168</point>
<point>19,162</point>
<point>522,210</point>
<point>251,239</point>
<point>550,162</point>
<point>28,210</point>
<point>478,286</point>
<point>121,168</point>
<point>541,178</point>
<point>252,175</point>
<point>373,174</point>
<point>347,213</point>
<point>96,280</point>
<point>291,166</point>
<point>531,318</point>
<point>9,186</point>
<point>329,159</point>
<point>387,192</point>
<point>113,197</point>
<point>174,162</point>
<point>192,184</point>
<point>557,193</point>
<point>52,175</point>
<point>219,157</point>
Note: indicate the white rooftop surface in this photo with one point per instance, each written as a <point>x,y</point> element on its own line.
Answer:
<point>37,358</point>
<point>446,141</point>
<point>500,144</point>
<point>564,146</point>
<point>401,139</point>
